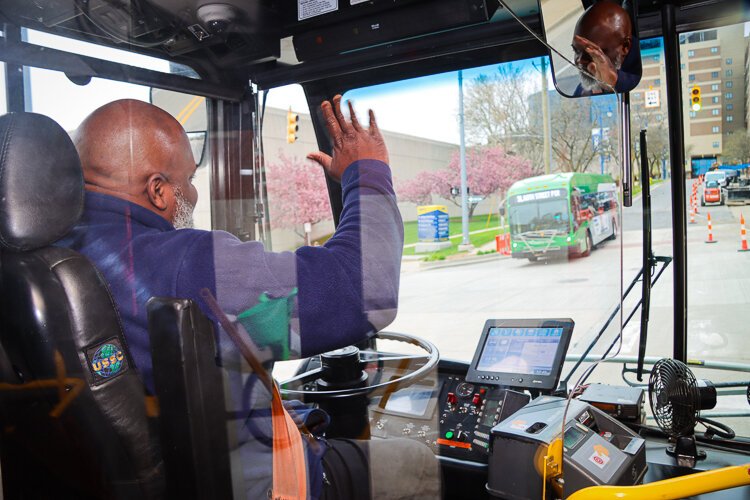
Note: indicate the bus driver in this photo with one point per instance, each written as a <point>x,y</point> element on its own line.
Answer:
<point>601,43</point>
<point>138,169</point>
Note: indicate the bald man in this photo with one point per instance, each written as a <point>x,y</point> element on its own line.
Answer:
<point>138,170</point>
<point>602,41</point>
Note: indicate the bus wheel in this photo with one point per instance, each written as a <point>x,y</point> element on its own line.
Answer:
<point>589,245</point>
<point>532,258</point>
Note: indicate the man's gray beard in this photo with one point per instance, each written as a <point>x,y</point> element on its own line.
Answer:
<point>590,84</point>
<point>183,215</point>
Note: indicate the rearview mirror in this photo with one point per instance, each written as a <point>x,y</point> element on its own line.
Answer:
<point>190,111</point>
<point>601,40</point>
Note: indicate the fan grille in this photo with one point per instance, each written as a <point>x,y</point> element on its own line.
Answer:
<point>675,398</point>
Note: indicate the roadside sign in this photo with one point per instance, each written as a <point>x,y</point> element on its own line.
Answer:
<point>652,98</point>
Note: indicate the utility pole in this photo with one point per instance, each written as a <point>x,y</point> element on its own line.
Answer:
<point>546,133</point>
<point>465,243</point>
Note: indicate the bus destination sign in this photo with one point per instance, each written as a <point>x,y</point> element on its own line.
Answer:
<point>539,195</point>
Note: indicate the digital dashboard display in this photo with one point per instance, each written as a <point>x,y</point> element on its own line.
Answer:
<point>412,400</point>
<point>529,351</point>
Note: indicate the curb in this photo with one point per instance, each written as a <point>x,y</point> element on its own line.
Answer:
<point>476,259</point>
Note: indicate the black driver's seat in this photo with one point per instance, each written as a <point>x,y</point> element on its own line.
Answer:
<point>73,415</point>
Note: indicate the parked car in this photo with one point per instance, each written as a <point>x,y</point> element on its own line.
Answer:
<point>712,194</point>
<point>719,176</point>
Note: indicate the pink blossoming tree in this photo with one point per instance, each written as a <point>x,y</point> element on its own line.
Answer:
<point>489,171</point>
<point>298,194</point>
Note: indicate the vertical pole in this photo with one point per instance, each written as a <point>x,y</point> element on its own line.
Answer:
<point>464,180</point>
<point>15,85</point>
<point>547,136</point>
<point>601,145</point>
<point>676,152</point>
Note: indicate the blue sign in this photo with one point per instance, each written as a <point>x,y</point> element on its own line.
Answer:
<point>432,223</point>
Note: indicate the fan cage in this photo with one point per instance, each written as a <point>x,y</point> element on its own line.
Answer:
<point>674,397</point>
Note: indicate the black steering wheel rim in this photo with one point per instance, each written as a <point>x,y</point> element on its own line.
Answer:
<point>432,357</point>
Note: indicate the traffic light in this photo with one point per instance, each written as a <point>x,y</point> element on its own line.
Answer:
<point>695,98</point>
<point>291,126</point>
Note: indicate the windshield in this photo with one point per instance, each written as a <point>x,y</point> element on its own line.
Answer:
<point>541,216</point>
<point>534,242</point>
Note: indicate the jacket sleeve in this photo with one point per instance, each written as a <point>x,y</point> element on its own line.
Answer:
<point>347,289</point>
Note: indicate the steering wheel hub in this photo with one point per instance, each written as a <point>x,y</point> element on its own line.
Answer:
<point>341,369</point>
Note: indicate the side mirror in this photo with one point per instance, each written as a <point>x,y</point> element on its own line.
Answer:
<point>190,111</point>
<point>600,38</point>
<point>501,210</point>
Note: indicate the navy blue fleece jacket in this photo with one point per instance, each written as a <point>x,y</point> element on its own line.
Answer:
<point>348,288</point>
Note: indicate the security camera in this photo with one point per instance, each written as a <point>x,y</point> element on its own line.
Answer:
<point>216,17</point>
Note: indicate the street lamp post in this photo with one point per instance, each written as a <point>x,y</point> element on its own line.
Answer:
<point>465,243</point>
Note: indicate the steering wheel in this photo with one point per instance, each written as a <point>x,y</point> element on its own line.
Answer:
<point>350,372</point>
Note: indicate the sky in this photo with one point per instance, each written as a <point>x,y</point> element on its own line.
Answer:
<point>424,107</point>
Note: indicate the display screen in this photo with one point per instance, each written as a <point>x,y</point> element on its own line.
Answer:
<point>528,351</point>
<point>572,437</point>
<point>410,400</point>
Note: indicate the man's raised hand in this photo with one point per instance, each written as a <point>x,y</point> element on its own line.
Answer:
<point>601,66</point>
<point>351,141</point>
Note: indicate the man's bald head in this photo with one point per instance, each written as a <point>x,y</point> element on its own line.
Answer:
<point>138,152</point>
<point>608,25</point>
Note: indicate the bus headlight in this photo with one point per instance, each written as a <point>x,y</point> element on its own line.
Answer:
<point>515,245</point>
<point>568,239</point>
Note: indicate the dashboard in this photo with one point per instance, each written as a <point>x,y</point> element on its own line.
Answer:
<point>494,424</point>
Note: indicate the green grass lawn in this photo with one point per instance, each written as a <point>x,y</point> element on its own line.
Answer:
<point>478,223</point>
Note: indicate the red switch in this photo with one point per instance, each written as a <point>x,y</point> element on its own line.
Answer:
<point>452,399</point>
<point>482,391</point>
<point>476,400</point>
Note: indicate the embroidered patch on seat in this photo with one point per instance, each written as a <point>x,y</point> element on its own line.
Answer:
<point>106,360</point>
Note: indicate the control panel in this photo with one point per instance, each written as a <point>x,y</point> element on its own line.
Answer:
<point>452,416</point>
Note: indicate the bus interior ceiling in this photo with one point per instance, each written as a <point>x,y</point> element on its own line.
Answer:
<point>247,44</point>
<point>236,47</point>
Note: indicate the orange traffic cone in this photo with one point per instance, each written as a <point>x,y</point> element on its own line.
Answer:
<point>692,214</point>
<point>695,203</point>
<point>710,230</point>
<point>743,235</point>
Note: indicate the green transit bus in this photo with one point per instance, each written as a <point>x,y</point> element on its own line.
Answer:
<point>561,214</point>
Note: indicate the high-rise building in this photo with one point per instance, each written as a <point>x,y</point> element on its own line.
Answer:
<point>714,61</point>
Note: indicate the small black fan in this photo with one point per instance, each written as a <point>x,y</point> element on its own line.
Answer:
<point>676,401</point>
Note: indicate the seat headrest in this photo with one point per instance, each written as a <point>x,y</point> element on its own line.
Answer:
<point>41,182</point>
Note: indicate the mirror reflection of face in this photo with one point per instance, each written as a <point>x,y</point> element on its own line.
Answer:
<point>594,51</point>
<point>601,41</point>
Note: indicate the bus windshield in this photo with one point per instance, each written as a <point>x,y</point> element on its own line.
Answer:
<point>542,213</point>
<point>548,215</point>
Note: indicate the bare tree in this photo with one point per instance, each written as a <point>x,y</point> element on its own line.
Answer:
<point>657,141</point>
<point>499,113</point>
<point>736,150</point>
<point>572,144</point>
<point>505,109</point>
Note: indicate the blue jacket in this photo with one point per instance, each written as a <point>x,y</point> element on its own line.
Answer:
<point>347,288</point>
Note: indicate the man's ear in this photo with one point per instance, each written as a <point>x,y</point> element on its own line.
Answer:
<point>627,44</point>
<point>156,189</point>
